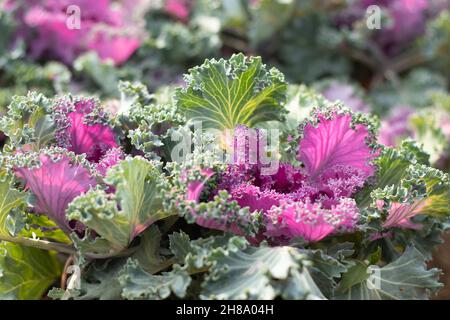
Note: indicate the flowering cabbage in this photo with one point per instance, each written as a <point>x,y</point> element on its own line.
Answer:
<point>295,211</point>
<point>406,20</point>
<point>55,183</point>
<point>178,8</point>
<point>347,94</point>
<point>395,127</point>
<point>102,28</point>
<point>81,129</point>
<point>428,127</point>
<point>296,200</point>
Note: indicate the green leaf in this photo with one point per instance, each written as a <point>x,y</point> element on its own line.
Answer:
<point>89,244</point>
<point>9,199</point>
<point>225,93</point>
<point>402,178</point>
<point>437,189</point>
<point>97,210</point>
<point>437,42</point>
<point>152,124</point>
<point>328,266</point>
<point>99,281</point>
<point>138,284</point>
<point>425,240</point>
<point>264,23</point>
<point>260,273</point>
<point>198,255</point>
<point>148,255</point>
<point>307,46</point>
<point>415,89</point>
<point>180,245</point>
<point>375,256</point>
<point>27,121</point>
<point>7,25</point>
<point>26,273</point>
<point>140,185</point>
<point>103,73</point>
<point>40,226</point>
<point>354,276</point>
<point>404,278</point>
<point>341,250</point>
<point>391,167</point>
<point>137,203</point>
<point>428,132</point>
<point>299,285</point>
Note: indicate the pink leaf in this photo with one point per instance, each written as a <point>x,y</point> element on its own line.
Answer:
<point>195,188</point>
<point>178,8</point>
<point>110,159</point>
<point>80,137</point>
<point>310,221</point>
<point>55,184</point>
<point>400,213</point>
<point>333,142</point>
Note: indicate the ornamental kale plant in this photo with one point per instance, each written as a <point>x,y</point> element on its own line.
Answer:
<point>110,32</point>
<point>259,202</point>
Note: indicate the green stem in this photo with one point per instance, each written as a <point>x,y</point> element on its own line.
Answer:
<point>201,270</point>
<point>407,62</point>
<point>40,244</point>
<point>359,56</point>
<point>164,265</point>
<point>64,248</point>
<point>123,253</point>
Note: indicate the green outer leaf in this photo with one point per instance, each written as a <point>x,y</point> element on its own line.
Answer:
<point>391,169</point>
<point>136,204</point>
<point>26,273</point>
<point>99,281</point>
<point>9,199</point>
<point>198,255</point>
<point>354,276</point>
<point>100,213</point>
<point>300,284</point>
<point>260,273</point>
<point>180,245</point>
<point>138,284</point>
<point>148,254</point>
<point>103,73</point>
<point>329,264</point>
<point>404,278</point>
<point>428,132</point>
<point>27,121</point>
<point>223,94</point>
<point>139,188</point>
<point>264,23</point>
<point>401,177</point>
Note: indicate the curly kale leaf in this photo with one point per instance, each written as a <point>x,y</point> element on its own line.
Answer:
<point>9,200</point>
<point>225,93</point>
<point>138,284</point>
<point>403,279</point>
<point>28,122</point>
<point>137,203</point>
<point>260,273</point>
<point>26,273</point>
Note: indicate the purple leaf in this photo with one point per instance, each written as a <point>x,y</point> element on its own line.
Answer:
<point>335,143</point>
<point>310,221</point>
<point>401,213</point>
<point>55,184</point>
<point>82,135</point>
